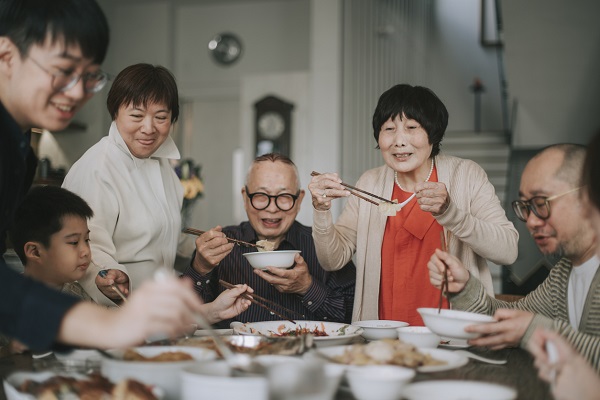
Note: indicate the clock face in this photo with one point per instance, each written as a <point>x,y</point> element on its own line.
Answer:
<point>225,48</point>
<point>271,125</point>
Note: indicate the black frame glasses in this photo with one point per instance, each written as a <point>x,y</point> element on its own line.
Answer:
<point>93,82</point>
<point>539,205</point>
<point>281,200</point>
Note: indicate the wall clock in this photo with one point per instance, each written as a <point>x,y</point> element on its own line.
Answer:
<point>225,48</point>
<point>273,125</point>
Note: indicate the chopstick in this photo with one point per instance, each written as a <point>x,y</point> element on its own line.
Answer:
<point>113,286</point>
<point>197,232</point>
<point>314,173</point>
<point>445,281</point>
<point>254,299</point>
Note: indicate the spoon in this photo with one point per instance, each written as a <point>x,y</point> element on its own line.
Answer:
<point>480,358</point>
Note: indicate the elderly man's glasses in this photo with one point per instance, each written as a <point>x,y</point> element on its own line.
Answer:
<point>539,205</point>
<point>261,201</point>
<point>93,82</point>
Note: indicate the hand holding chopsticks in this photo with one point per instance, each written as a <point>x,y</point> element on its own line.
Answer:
<point>197,232</point>
<point>353,190</point>
<point>444,244</point>
<point>256,299</point>
<point>114,286</point>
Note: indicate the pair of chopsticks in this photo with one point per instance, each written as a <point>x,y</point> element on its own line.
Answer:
<point>444,243</point>
<point>353,190</point>
<point>113,286</point>
<point>254,299</point>
<point>197,232</point>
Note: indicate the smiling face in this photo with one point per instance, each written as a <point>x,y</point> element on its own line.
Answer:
<point>28,93</point>
<point>144,129</point>
<point>405,147</point>
<point>272,178</point>
<point>67,257</point>
<point>567,231</point>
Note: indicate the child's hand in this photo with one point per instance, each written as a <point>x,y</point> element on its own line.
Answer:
<point>108,277</point>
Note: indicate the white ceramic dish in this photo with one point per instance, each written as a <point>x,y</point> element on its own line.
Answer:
<point>165,375</point>
<point>418,336</point>
<point>379,328</point>
<point>277,258</point>
<point>452,359</point>
<point>338,333</point>
<point>381,382</point>
<point>447,343</point>
<point>458,390</point>
<point>452,323</point>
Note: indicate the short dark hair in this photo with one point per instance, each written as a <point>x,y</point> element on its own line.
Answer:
<point>591,171</point>
<point>140,84</point>
<point>415,102</point>
<point>40,215</point>
<point>77,22</point>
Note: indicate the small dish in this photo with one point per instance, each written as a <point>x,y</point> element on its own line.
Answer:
<point>379,328</point>
<point>458,390</point>
<point>452,323</point>
<point>381,382</point>
<point>418,336</point>
<point>277,258</point>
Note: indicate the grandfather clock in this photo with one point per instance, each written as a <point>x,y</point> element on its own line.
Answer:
<point>273,126</point>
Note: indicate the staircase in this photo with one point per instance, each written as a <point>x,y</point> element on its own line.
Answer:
<point>492,152</point>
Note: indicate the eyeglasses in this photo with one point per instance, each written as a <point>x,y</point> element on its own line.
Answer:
<point>261,201</point>
<point>539,205</point>
<point>93,82</point>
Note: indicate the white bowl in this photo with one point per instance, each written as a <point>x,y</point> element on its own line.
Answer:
<point>452,323</point>
<point>458,390</point>
<point>165,375</point>
<point>379,328</point>
<point>381,382</point>
<point>213,380</point>
<point>277,259</point>
<point>418,336</point>
<point>338,333</point>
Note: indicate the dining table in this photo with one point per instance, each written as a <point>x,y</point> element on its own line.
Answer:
<point>518,372</point>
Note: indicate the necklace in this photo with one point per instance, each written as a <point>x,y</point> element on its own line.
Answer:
<point>426,180</point>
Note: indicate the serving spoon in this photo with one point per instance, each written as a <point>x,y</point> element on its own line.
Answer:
<point>480,358</point>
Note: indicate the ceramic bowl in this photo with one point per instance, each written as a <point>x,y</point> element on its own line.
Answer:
<point>418,336</point>
<point>164,374</point>
<point>277,259</point>
<point>381,382</point>
<point>452,323</point>
<point>379,328</point>
<point>458,390</point>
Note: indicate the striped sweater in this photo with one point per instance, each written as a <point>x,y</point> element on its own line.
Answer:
<point>549,304</point>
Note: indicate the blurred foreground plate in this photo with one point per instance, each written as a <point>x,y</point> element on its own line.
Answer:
<point>458,390</point>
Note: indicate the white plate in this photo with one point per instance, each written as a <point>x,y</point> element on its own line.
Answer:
<point>452,359</point>
<point>338,333</point>
<point>458,390</point>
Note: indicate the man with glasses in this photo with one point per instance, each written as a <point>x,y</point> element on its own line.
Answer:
<point>568,301</point>
<point>50,56</point>
<point>272,198</point>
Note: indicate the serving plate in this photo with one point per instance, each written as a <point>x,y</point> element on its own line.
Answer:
<point>254,345</point>
<point>458,390</point>
<point>338,333</point>
<point>452,359</point>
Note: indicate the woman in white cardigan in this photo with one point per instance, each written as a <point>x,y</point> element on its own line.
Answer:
<point>437,193</point>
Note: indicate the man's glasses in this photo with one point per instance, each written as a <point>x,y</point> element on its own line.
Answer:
<point>93,82</point>
<point>261,201</point>
<point>539,205</point>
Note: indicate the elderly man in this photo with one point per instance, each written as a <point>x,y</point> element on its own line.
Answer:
<point>568,301</point>
<point>272,198</point>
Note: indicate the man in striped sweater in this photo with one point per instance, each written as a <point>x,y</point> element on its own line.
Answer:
<point>568,301</point>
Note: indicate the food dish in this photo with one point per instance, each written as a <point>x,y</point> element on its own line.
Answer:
<point>458,390</point>
<point>449,359</point>
<point>381,382</point>
<point>163,374</point>
<point>253,345</point>
<point>379,328</point>
<point>337,333</point>
<point>447,343</point>
<point>452,323</point>
<point>277,259</point>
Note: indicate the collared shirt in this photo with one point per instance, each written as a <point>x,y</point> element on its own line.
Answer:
<point>29,311</point>
<point>329,298</point>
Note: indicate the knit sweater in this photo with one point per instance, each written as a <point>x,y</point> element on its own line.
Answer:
<point>549,304</point>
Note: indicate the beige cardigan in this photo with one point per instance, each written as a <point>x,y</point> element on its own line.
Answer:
<point>477,223</point>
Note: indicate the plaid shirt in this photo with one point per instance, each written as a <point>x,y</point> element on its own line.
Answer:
<point>329,298</point>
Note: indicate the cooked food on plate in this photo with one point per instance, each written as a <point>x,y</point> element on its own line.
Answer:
<point>283,330</point>
<point>386,351</point>
<point>132,355</point>
<point>265,245</point>
<point>93,386</point>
